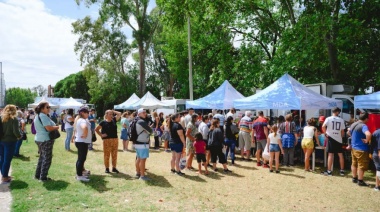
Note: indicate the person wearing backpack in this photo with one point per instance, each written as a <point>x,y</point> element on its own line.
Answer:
<point>107,130</point>
<point>141,128</point>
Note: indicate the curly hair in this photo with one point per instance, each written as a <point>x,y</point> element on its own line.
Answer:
<point>9,112</point>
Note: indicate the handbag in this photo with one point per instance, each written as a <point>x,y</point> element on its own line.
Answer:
<point>93,139</point>
<point>24,137</point>
<point>52,134</point>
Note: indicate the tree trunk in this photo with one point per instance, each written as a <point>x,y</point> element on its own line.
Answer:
<point>142,69</point>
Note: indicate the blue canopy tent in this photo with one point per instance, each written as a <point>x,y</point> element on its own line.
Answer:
<point>287,94</point>
<point>370,101</point>
<point>222,98</point>
<point>127,104</point>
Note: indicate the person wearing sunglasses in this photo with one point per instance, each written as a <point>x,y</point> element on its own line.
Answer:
<point>44,125</point>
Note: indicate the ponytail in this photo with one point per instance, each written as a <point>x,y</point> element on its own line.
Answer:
<point>274,130</point>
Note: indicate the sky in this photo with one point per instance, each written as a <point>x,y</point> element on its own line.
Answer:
<point>36,43</point>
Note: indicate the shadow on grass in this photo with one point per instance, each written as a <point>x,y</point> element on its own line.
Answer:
<point>55,185</point>
<point>22,158</point>
<point>98,183</point>
<point>214,175</point>
<point>196,178</point>
<point>292,175</point>
<point>157,180</point>
<point>95,150</point>
<point>18,184</point>
<point>233,174</point>
<point>121,175</point>
<point>244,167</point>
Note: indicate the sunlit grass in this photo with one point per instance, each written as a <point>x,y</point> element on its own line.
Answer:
<point>248,188</point>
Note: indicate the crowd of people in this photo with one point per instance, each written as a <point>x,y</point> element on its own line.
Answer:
<point>211,139</point>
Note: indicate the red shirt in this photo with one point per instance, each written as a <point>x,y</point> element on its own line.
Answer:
<point>258,126</point>
<point>199,146</point>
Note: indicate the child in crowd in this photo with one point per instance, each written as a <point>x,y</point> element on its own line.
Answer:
<point>200,148</point>
<point>274,146</point>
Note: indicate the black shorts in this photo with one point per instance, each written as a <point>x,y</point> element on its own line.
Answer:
<point>201,158</point>
<point>217,153</point>
<point>334,146</point>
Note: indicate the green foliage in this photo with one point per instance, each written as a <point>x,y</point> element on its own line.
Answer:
<point>75,85</point>
<point>19,96</point>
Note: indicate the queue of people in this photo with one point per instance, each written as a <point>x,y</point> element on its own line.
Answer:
<point>207,138</point>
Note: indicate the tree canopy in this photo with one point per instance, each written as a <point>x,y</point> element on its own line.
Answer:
<point>251,43</point>
<point>20,96</point>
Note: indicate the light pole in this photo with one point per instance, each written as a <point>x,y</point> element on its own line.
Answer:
<point>190,58</point>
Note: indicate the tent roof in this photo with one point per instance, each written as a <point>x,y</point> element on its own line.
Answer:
<point>221,98</point>
<point>148,101</point>
<point>43,99</point>
<point>127,104</point>
<point>71,103</point>
<point>288,94</point>
<point>370,101</point>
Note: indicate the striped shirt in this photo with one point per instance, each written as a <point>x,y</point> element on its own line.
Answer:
<point>245,124</point>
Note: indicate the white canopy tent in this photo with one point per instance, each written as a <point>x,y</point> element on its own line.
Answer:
<point>127,104</point>
<point>71,103</point>
<point>148,101</point>
<point>35,104</point>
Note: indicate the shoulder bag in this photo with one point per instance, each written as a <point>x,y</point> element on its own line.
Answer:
<point>52,134</point>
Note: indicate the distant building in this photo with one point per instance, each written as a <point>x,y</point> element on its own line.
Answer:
<point>2,86</point>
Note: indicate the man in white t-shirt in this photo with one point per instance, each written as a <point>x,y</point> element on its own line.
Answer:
<point>188,116</point>
<point>333,127</point>
<point>232,113</point>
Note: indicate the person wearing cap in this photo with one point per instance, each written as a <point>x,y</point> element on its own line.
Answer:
<point>143,131</point>
<point>83,137</point>
<point>107,130</point>
<point>333,127</point>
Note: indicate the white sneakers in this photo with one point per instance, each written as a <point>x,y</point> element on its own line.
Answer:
<point>82,178</point>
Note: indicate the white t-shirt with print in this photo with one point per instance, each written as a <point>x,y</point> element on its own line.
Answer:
<point>334,126</point>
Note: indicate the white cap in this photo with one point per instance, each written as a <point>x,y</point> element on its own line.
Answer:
<point>141,110</point>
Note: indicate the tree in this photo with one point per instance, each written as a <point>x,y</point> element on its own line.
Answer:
<point>104,52</point>
<point>74,85</point>
<point>19,96</point>
<point>119,13</point>
<point>40,90</point>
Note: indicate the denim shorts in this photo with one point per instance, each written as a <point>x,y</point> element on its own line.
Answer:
<point>178,148</point>
<point>274,148</point>
<point>142,151</point>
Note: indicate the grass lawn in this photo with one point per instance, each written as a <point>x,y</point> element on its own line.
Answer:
<point>248,188</point>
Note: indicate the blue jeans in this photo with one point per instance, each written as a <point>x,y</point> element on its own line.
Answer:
<point>6,154</point>
<point>230,148</point>
<point>69,135</point>
<point>17,148</point>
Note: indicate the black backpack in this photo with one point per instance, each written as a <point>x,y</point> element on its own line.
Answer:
<point>132,131</point>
